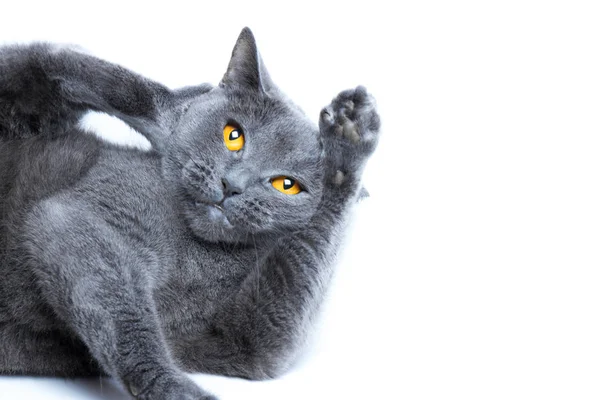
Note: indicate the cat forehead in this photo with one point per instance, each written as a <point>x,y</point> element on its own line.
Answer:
<point>283,133</point>
<point>291,156</point>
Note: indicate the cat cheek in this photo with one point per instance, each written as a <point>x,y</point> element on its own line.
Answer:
<point>203,179</point>
<point>251,219</point>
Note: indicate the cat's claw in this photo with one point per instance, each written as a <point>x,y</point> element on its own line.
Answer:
<point>349,132</point>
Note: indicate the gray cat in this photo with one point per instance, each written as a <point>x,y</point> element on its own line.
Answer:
<point>209,253</point>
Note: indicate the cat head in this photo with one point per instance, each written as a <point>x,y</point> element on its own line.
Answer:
<point>245,161</point>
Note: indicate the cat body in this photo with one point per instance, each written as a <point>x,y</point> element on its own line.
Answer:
<point>188,257</point>
<point>188,277</point>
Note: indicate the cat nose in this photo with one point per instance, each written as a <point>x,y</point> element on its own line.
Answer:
<point>232,186</point>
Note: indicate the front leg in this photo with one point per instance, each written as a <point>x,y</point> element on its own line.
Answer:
<point>259,331</point>
<point>98,282</point>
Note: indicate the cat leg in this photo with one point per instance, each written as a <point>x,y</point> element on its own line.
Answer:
<point>100,288</point>
<point>45,88</point>
<point>258,332</point>
<point>43,353</point>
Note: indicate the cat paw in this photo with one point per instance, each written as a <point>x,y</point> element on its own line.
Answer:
<point>171,387</point>
<point>349,132</point>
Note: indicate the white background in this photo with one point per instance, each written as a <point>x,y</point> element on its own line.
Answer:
<point>472,271</point>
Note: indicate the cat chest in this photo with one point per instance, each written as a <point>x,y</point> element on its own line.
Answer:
<point>204,278</point>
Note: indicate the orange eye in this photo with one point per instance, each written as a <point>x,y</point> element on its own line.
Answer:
<point>286,185</point>
<point>233,137</point>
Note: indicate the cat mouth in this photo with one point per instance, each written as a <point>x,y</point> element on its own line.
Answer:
<point>215,213</point>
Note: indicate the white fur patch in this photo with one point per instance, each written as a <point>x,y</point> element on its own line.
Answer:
<point>113,130</point>
<point>59,47</point>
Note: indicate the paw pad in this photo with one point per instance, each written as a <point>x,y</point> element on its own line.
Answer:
<point>351,131</point>
<point>339,177</point>
<point>134,390</point>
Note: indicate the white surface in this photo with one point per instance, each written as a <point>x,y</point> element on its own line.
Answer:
<point>472,271</point>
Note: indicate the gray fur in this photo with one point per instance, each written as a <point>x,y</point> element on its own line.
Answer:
<point>116,261</point>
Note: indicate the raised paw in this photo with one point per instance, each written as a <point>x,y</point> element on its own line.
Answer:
<point>349,132</point>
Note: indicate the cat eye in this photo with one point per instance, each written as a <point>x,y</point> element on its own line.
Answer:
<point>286,185</point>
<point>233,137</point>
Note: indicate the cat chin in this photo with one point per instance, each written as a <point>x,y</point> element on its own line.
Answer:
<point>215,214</point>
<point>209,223</point>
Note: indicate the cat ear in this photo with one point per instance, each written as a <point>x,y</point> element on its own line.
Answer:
<point>246,67</point>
